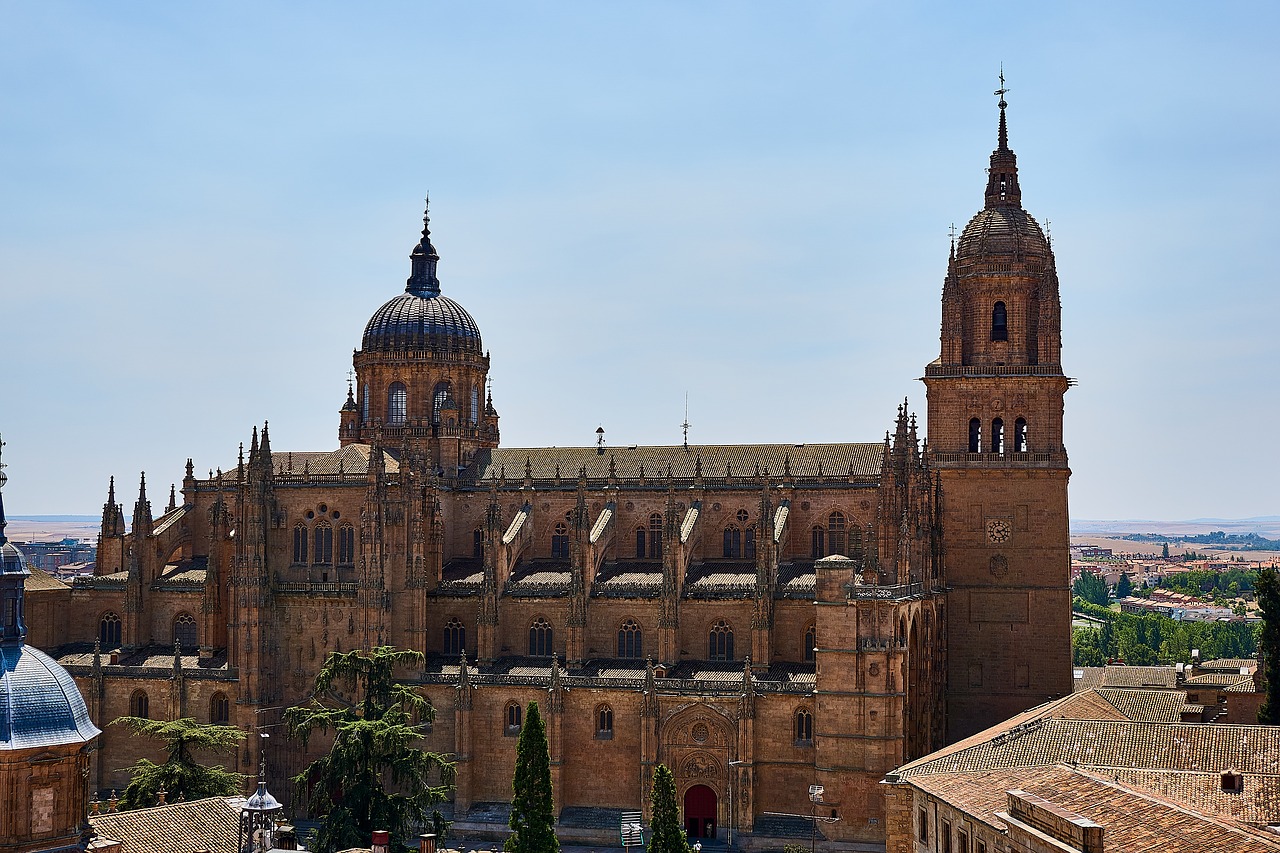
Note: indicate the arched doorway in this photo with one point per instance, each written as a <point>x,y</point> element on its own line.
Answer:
<point>700,812</point>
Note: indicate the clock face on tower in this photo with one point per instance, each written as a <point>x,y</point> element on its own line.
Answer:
<point>998,531</point>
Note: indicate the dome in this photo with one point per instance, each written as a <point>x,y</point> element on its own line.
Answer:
<point>11,559</point>
<point>40,704</point>
<point>421,322</point>
<point>1002,231</point>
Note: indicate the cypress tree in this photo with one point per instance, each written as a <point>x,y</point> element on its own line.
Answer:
<point>665,834</point>
<point>532,810</point>
<point>1267,588</point>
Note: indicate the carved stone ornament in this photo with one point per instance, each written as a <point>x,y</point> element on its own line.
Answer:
<point>699,733</point>
<point>699,766</point>
<point>999,565</point>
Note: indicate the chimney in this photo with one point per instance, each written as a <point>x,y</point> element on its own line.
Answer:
<point>381,841</point>
<point>427,842</point>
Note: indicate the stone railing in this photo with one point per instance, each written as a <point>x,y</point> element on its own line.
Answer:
<point>664,685</point>
<point>980,370</point>
<point>322,589</point>
<point>892,592</point>
<point>987,460</point>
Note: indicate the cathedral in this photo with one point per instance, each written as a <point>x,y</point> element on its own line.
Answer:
<point>760,618</point>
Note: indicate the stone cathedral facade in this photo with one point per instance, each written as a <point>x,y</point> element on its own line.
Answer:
<point>760,618</point>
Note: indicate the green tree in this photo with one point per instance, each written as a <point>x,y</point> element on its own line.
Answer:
<point>1268,589</point>
<point>375,776</point>
<point>181,775</point>
<point>1092,588</point>
<point>1124,587</point>
<point>1164,551</point>
<point>532,807</point>
<point>665,836</point>
<point>1086,647</point>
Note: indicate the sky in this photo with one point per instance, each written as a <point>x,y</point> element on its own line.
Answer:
<point>744,204</point>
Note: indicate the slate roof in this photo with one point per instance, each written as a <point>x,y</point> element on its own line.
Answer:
<point>40,704</point>
<point>209,824</point>
<point>151,657</point>
<point>1147,706</point>
<point>1134,820</point>
<point>806,461</point>
<point>1158,677</point>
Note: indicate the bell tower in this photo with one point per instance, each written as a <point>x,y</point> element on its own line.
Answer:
<point>995,438</point>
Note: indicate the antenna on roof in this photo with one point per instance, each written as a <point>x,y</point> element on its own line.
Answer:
<point>685,426</point>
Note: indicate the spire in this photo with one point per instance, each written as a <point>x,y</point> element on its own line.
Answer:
<point>1002,179</point>
<point>265,447</point>
<point>422,277</point>
<point>13,575</point>
<point>173,498</point>
<point>4,479</point>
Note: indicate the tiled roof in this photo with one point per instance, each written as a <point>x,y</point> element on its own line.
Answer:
<point>721,579</point>
<point>1109,743</point>
<point>40,579</point>
<point>1257,803</point>
<point>209,824</point>
<point>628,579</point>
<point>1147,706</point>
<point>805,460</point>
<point>1134,820</point>
<point>1229,664</point>
<point>1158,677</point>
<point>187,572</point>
<point>1218,679</point>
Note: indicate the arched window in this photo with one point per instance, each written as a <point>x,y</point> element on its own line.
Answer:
<point>818,540</point>
<point>1020,435</point>
<point>323,552</point>
<point>477,543</point>
<point>364,404</point>
<point>397,404</point>
<point>540,637</point>
<point>655,536</point>
<point>514,716</point>
<point>720,641</point>
<point>804,726</point>
<point>109,630</point>
<point>749,543</point>
<point>219,709</point>
<point>732,541</point>
<point>139,705</point>
<point>346,545</point>
<point>300,544</point>
<point>975,435</point>
<point>999,323</point>
<point>997,435</point>
<point>604,722</point>
<point>560,541</point>
<point>439,397</point>
<point>184,631</point>
<point>810,642</point>
<point>455,636</point>
<point>630,644</point>
<point>475,405</point>
<point>835,533</point>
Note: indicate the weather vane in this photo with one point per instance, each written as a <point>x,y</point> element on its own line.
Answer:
<point>1002,90</point>
<point>685,425</point>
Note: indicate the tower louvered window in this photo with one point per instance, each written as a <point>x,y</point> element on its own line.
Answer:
<point>999,323</point>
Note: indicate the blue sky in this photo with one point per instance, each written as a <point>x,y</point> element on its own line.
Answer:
<point>744,202</point>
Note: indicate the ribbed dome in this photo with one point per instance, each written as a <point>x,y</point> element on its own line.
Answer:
<point>40,704</point>
<point>421,322</point>
<point>1002,231</point>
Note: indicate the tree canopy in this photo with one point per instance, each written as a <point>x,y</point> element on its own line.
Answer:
<point>181,775</point>
<point>532,809</point>
<point>666,836</point>
<point>375,776</point>
<point>1154,639</point>
<point>1092,588</point>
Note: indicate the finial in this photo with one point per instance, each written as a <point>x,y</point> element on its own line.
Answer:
<point>1048,235</point>
<point>951,232</point>
<point>173,498</point>
<point>1000,93</point>
<point>422,278</point>
<point>685,425</point>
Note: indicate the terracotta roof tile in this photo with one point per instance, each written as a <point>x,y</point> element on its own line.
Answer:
<point>209,824</point>
<point>1134,820</point>
<point>1159,677</point>
<point>1147,706</point>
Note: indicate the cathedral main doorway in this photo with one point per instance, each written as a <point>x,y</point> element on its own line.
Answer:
<point>700,812</point>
